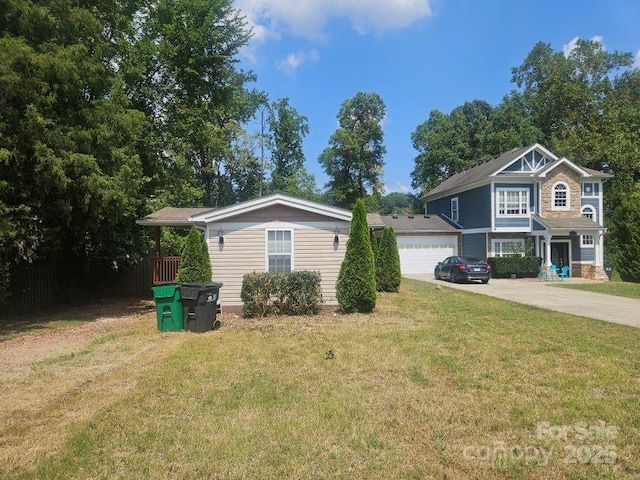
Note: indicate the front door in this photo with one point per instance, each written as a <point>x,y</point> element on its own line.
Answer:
<point>560,254</point>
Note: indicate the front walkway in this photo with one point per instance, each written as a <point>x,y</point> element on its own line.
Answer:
<point>609,308</point>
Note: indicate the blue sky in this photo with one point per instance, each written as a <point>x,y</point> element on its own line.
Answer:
<point>419,55</point>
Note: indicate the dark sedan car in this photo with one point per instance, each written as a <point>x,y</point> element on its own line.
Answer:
<point>457,269</point>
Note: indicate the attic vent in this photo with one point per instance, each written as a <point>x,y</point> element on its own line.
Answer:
<point>410,216</point>
<point>394,216</point>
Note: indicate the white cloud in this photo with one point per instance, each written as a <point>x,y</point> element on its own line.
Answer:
<point>636,62</point>
<point>307,18</point>
<point>291,62</point>
<point>398,187</point>
<point>570,47</point>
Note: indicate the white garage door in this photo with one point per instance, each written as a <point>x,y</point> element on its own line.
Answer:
<point>421,254</point>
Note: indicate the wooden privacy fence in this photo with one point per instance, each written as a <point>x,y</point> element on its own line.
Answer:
<point>41,286</point>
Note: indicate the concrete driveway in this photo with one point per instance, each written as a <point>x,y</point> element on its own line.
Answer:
<point>609,308</point>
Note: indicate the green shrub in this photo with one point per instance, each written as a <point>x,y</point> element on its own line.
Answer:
<point>356,285</point>
<point>195,266</point>
<point>302,293</point>
<point>270,293</point>
<point>388,274</point>
<point>523,267</point>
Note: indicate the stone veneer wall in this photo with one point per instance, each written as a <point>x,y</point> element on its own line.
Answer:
<point>590,272</point>
<point>562,173</point>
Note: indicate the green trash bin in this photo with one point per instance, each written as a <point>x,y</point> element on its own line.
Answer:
<point>169,307</point>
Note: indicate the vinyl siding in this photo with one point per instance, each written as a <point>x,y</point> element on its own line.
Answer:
<point>595,203</point>
<point>474,207</point>
<point>244,251</point>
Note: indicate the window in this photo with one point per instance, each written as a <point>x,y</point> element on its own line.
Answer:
<point>590,189</point>
<point>561,198</point>
<point>586,241</point>
<point>279,251</point>
<point>507,247</point>
<point>589,212</point>
<point>513,202</point>
<point>454,209</point>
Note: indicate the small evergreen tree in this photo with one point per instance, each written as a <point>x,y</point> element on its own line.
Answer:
<point>388,275</point>
<point>356,285</point>
<point>196,265</point>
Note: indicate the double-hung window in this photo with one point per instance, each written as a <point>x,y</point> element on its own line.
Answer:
<point>279,251</point>
<point>587,241</point>
<point>512,202</point>
<point>507,247</point>
<point>561,197</point>
<point>455,215</point>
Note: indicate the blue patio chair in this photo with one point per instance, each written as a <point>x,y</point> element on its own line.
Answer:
<point>553,271</point>
<point>564,272</point>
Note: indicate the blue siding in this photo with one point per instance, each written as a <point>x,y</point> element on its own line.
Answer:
<point>537,226</point>
<point>474,207</point>
<point>594,202</point>
<point>512,222</point>
<point>475,245</point>
<point>579,254</point>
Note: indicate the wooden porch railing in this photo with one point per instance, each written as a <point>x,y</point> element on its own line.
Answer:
<point>165,269</point>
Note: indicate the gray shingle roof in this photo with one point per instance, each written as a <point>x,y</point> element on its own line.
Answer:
<point>572,223</point>
<point>478,173</point>
<point>172,216</point>
<point>417,224</point>
<point>482,171</point>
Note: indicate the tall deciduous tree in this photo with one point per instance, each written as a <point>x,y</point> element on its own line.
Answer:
<point>354,160</point>
<point>182,71</point>
<point>356,285</point>
<point>287,129</point>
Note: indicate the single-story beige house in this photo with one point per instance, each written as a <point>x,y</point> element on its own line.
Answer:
<point>282,233</point>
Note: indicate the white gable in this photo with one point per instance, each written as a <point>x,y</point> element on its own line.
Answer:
<point>271,200</point>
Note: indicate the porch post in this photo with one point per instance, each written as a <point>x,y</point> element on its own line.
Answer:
<point>547,250</point>
<point>598,248</point>
<point>158,250</point>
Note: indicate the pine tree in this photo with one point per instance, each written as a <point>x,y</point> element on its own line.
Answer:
<point>388,275</point>
<point>356,285</point>
<point>196,265</point>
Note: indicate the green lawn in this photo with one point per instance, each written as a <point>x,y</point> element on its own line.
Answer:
<point>621,289</point>
<point>434,384</point>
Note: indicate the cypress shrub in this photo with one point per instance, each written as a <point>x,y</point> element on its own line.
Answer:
<point>356,285</point>
<point>195,266</point>
<point>388,275</point>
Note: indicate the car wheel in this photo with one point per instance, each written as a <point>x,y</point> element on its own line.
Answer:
<point>485,281</point>
<point>436,273</point>
<point>453,277</point>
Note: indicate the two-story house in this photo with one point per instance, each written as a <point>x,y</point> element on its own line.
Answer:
<point>527,200</point>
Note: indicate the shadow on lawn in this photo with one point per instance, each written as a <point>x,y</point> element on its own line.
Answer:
<point>88,312</point>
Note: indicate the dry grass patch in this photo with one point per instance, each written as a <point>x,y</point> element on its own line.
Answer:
<point>434,384</point>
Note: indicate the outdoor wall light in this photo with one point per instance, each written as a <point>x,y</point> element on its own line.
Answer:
<point>220,237</point>
<point>336,235</point>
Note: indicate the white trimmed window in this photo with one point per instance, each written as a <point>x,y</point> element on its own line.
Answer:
<point>590,189</point>
<point>455,215</point>
<point>561,197</point>
<point>586,241</point>
<point>279,251</point>
<point>588,211</point>
<point>512,202</point>
<point>507,247</point>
